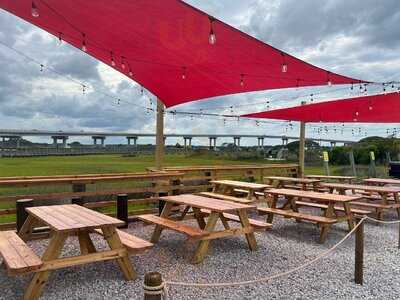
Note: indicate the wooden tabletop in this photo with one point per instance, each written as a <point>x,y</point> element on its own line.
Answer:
<point>314,195</point>
<point>293,179</point>
<point>382,181</point>
<point>207,203</point>
<point>70,217</point>
<point>331,177</point>
<point>368,188</point>
<point>242,184</point>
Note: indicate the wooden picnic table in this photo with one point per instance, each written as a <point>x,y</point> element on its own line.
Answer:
<point>281,182</point>
<point>68,220</point>
<point>382,181</point>
<point>386,195</point>
<point>332,205</point>
<point>344,179</point>
<point>228,187</point>
<point>201,206</point>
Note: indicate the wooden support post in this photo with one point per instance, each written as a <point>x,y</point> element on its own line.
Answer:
<point>359,254</point>
<point>159,135</point>
<point>153,286</point>
<point>79,187</point>
<point>78,201</point>
<point>302,146</point>
<point>122,209</point>
<point>398,246</point>
<point>21,212</point>
<point>352,163</point>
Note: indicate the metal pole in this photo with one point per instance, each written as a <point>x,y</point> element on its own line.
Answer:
<point>160,135</point>
<point>302,146</point>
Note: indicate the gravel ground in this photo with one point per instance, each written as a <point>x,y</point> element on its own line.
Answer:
<point>286,246</point>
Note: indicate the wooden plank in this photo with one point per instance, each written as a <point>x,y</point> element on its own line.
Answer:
<point>338,208</point>
<point>382,181</point>
<point>313,195</point>
<point>296,215</point>
<point>370,188</point>
<point>17,256</point>
<point>208,203</point>
<point>293,179</point>
<point>192,232</point>
<point>226,197</point>
<point>241,184</point>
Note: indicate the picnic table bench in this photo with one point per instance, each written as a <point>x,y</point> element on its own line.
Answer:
<point>331,204</point>
<point>382,181</point>
<point>229,187</point>
<point>63,221</point>
<point>213,208</point>
<point>337,178</point>
<point>382,197</point>
<point>225,197</point>
<point>299,183</point>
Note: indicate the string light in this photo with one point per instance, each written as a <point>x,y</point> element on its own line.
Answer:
<point>329,79</point>
<point>242,79</point>
<point>212,39</point>
<point>130,73</point>
<point>123,66</point>
<point>284,67</point>
<point>59,39</point>
<point>34,10</point>
<point>84,48</point>
<point>183,73</point>
<point>352,86</point>
<point>112,59</point>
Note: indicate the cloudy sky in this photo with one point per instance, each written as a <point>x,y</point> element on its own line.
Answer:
<point>357,38</point>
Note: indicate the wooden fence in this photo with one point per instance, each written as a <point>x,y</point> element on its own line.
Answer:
<point>100,191</point>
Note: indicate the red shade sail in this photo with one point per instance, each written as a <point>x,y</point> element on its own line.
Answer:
<point>165,46</point>
<point>367,109</point>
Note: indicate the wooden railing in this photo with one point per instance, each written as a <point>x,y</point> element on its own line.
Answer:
<point>100,191</point>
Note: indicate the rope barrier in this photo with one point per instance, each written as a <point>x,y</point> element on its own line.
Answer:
<point>380,221</point>
<point>156,290</point>
<point>269,278</point>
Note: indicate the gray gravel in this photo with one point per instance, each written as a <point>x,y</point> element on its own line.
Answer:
<point>286,246</point>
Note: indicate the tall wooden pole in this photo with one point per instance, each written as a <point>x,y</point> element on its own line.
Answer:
<point>160,135</point>
<point>302,146</point>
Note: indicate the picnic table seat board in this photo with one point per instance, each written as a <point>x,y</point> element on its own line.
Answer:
<point>232,187</point>
<point>330,215</point>
<point>382,181</point>
<point>18,258</point>
<point>348,179</point>
<point>337,208</point>
<point>134,244</point>
<point>225,197</point>
<point>292,182</point>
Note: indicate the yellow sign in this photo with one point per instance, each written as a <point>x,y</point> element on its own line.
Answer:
<point>326,156</point>
<point>372,155</point>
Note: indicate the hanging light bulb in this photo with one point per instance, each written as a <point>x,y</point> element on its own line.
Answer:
<point>212,39</point>
<point>329,82</point>
<point>34,10</point>
<point>284,66</point>
<point>183,73</point>
<point>59,42</point>
<point>112,59</point>
<point>352,86</point>
<point>130,72</point>
<point>241,80</point>
<point>84,48</point>
<point>123,66</point>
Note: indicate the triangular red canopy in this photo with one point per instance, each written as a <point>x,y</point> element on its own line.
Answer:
<point>164,45</point>
<point>383,108</point>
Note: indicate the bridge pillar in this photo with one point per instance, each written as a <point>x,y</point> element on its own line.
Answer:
<point>101,138</point>
<point>63,138</point>
<point>187,141</point>
<point>333,144</point>
<point>285,141</point>
<point>260,142</point>
<point>134,138</point>
<point>213,143</point>
<point>236,141</point>
<point>16,138</point>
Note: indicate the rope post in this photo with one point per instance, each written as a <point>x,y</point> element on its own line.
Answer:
<point>153,286</point>
<point>122,209</point>
<point>359,254</point>
<point>21,212</point>
<point>398,246</point>
<point>78,201</point>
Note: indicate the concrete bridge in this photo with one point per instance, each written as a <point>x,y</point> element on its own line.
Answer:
<point>100,137</point>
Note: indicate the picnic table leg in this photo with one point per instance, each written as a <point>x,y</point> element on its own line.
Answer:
<point>325,227</point>
<point>244,220</point>
<point>164,214</point>
<point>224,221</point>
<point>113,240</point>
<point>199,217</point>
<point>270,216</point>
<point>251,194</point>
<point>184,213</point>
<point>397,201</point>
<point>27,228</point>
<point>203,245</point>
<point>86,243</point>
<point>39,280</point>
<point>379,211</point>
<point>349,214</point>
